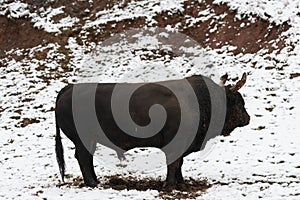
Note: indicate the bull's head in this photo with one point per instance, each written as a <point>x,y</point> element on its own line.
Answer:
<point>236,114</point>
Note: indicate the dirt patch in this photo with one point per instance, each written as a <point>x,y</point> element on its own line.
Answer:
<point>117,182</point>
<point>294,75</point>
<point>214,32</point>
<point>114,27</point>
<point>26,121</point>
<point>73,8</point>
<point>20,33</point>
<point>245,35</point>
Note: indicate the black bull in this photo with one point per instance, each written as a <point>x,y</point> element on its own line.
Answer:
<point>217,104</point>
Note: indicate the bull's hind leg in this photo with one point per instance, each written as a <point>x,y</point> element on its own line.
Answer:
<point>85,160</point>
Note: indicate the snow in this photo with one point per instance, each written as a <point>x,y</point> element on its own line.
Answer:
<point>273,10</point>
<point>15,9</point>
<point>44,20</point>
<point>266,151</point>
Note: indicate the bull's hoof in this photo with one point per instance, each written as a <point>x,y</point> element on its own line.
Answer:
<point>182,187</point>
<point>179,186</point>
<point>91,183</point>
<point>168,187</point>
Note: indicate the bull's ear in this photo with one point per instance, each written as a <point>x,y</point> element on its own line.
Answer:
<point>239,84</point>
<point>223,79</point>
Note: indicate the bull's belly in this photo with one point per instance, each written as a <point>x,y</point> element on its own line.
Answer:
<point>121,140</point>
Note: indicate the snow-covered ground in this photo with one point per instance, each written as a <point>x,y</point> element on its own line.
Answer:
<point>261,160</point>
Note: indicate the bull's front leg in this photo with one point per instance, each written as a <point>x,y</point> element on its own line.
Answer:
<point>179,178</point>
<point>174,175</point>
<point>91,157</point>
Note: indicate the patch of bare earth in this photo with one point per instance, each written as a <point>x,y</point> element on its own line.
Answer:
<point>195,187</point>
<point>117,182</point>
<point>246,36</point>
<point>19,33</point>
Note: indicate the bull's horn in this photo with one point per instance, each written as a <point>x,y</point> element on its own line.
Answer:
<point>223,79</point>
<point>239,84</point>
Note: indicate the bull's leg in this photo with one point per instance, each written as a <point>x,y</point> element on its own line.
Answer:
<point>178,173</point>
<point>179,178</point>
<point>92,169</point>
<point>171,180</point>
<point>85,161</point>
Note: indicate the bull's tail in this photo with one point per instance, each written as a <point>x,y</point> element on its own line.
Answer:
<point>58,145</point>
<point>59,151</point>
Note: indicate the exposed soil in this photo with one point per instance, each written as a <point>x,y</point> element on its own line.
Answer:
<point>246,36</point>
<point>117,182</point>
<point>195,187</point>
<point>20,34</point>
